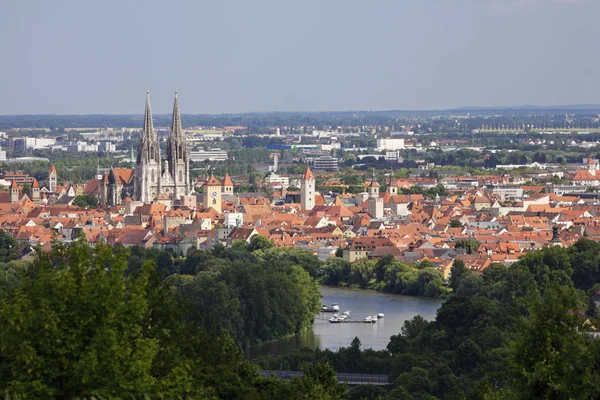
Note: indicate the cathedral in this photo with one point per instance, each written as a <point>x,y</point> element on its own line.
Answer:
<point>152,178</point>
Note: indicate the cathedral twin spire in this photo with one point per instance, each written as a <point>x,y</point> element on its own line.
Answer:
<point>150,179</point>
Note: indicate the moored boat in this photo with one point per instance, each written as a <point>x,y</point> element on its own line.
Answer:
<point>380,315</point>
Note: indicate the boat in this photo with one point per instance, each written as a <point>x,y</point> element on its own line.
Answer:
<point>346,313</point>
<point>334,320</point>
<point>335,307</point>
<point>374,319</point>
<point>324,308</point>
<point>368,320</point>
<point>380,315</point>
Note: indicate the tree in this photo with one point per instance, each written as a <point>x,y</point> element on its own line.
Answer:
<point>259,242</point>
<point>78,324</point>
<point>455,224</point>
<point>8,247</point>
<point>85,201</point>
<point>75,328</point>
<point>470,246</point>
<point>550,358</point>
<point>457,271</point>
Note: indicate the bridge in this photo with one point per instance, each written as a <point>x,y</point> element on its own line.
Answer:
<point>343,377</point>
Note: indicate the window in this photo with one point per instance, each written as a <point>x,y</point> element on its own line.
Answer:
<point>214,201</point>
<point>180,176</point>
<point>152,175</point>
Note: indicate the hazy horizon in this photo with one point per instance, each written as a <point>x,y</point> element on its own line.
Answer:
<point>236,57</point>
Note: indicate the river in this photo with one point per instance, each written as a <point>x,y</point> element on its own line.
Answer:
<point>361,303</point>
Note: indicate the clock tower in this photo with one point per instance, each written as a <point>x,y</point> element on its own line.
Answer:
<point>212,194</point>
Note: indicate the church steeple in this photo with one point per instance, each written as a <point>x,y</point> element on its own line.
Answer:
<point>147,167</point>
<point>176,129</point>
<point>177,154</point>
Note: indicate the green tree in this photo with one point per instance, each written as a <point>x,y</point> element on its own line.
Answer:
<point>550,357</point>
<point>76,328</point>
<point>85,201</point>
<point>8,247</point>
<point>470,246</point>
<point>455,223</point>
<point>259,242</point>
<point>457,272</point>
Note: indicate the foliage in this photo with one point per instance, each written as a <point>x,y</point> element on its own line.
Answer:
<point>386,274</point>
<point>470,246</point>
<point>86,201</point>
<point>513,332</point>
<point>80,322</point>
<point>8,247</point>
<point>455,224</point>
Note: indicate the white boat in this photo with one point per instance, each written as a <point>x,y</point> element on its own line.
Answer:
<point>346,313</point>
<point>380,315</point>
<point>335,307</point>
<point>324,308</point>
<point>374,319</point>
<point>334,319</point>
<point>368,320</point>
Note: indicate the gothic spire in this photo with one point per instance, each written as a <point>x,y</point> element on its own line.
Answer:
<point>148,132</point>
<point>176,129</point>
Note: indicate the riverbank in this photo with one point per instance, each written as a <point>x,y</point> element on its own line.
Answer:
<point>441,296</point>
<point>361,303</point>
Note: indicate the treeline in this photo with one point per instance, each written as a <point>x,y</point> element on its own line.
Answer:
<point>385,275</point>
<point>425,121</point>
<point>82,322</point>
<point>516,332</point>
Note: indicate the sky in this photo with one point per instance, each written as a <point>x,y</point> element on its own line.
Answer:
<point>234,56</point>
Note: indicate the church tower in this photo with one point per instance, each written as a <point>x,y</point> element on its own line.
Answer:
<point>52,179</point>
<point>373,188</point>
<point>14,192</point>
<point>147,166</point>
<point>212,194</point>
<point>177,156</point>
<point>35,191</point>
<point>227,184</point>
<point>307,190</point>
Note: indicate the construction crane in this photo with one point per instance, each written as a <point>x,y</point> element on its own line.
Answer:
<point>344,187</point>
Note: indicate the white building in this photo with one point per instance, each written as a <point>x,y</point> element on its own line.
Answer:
<point>390,144</point>
<point>107,147</point>
<point>375,207</point>
<point>273,178</point>
<point>33,143</point>
<point>505,192</point>
<point>211,155</point>
<point>233,219</point>
<point>82,147</point>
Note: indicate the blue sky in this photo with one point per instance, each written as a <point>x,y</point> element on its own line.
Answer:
<point>76,57</point>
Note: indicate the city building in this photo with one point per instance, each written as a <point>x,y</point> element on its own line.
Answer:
<point>212,194</point>
<point>326,162</point>
<point>151,179</point>
<point>390,144</point>
<point>307,190</point>
<point>210,155</point>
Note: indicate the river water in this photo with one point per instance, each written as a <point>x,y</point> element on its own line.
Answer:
<point>361,303</point>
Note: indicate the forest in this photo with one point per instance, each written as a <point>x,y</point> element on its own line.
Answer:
<point>516,332</point>
<point>114,323</point>
<point>133,322</point>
